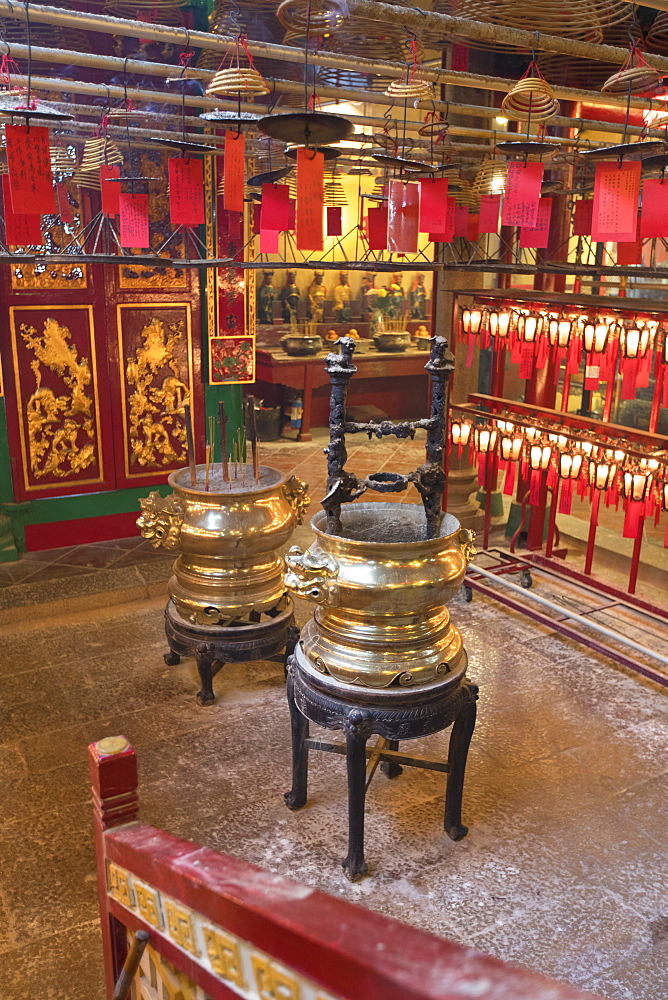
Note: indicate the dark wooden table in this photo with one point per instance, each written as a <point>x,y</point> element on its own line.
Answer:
<point>306,374</point>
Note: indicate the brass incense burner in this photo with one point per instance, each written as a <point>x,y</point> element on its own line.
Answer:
<point>381,590</point>
<point>227,598</point>
<point>228,538</point>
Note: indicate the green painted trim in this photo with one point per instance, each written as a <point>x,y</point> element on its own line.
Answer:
<point>6,485</point>
<point>82,505</point>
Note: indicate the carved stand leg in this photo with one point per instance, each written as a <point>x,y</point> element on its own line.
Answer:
<point>460,738</point>
<point>357,729</point>
<point>389,767</point>
<point>205,659</point>
<point>296,797</point>
<point>290,643</point>
<point>171,658</point>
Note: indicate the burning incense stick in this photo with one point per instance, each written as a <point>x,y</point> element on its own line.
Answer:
<point>209,449</point>
<point>190,444</point>
<point>222,423</point>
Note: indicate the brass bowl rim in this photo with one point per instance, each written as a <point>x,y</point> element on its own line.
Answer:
<point>232,495</point>
<point>360,544</point>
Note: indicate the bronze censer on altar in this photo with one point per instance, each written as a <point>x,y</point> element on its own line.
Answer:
<point>380,655</point>
<point>227,599</point>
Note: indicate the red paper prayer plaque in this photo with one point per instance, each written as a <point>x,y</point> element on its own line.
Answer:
<point>538,235</point>
<point>473,227</point>
<point>489,213</point>
<point>20,230</point>
<point>403,217</point>
<point>447,235</point>
<point>461,220</point>
<point>186,192</point>
<point>376,227</point>
<point>459,58</point>
<point>520,205</point>
<point>527,358</point>
<point>582,217</point>
<point>110,190</point>
<point>62,197</point>
<point>310,199</point>
<point>630,251</point>
<point>268,241</point>
<point>616,190</point>
<point>334,221</point>
<point>134,220</point>
<point>233,172</point>
<point>654,217</point>
<point>29,162</point>
<point>275,207</point>
<point>433,204</point>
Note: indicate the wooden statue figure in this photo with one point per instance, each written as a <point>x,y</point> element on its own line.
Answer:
<point>342,296</point>
<point>290,298</point>
<point>266,294</point>
<point>317,296</point>
<point>396,298</point>
<point>417,298</point>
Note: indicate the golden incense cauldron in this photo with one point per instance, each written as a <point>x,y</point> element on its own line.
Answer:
<point>228,571</point>
<point>381,588</point>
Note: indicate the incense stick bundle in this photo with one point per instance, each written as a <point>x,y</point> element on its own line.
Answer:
<point>252,430</point>
<point>190,444</point>
<point>222,423</point>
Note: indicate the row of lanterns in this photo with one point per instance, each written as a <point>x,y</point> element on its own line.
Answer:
<point>599,465</point>
<point>636,335</point>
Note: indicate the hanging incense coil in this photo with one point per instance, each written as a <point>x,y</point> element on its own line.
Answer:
<point>490,178</point>
<point>661,122</point>
<point>244,80</point>
<point>656,38</point>
<point>532,98</point>
<point>62,162</point>
<point>417,89</point>
<point>88,179</point>
<point>335,196</point>
<point>633,80</point>
<point>98,150</point>
<point>312,18</point>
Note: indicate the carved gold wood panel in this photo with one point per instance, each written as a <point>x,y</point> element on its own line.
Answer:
<point>156,373</point>
<point>57,399</point>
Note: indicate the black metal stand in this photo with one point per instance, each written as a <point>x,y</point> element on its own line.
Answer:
<point>394,714</point>
<point>214,645</point>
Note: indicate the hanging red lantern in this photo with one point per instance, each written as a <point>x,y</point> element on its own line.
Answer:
<point>460,432</point>
<point>636,484</point>
<point>570,464</point>
<point>601,473</point>
<point>485,439</point>
<point>540,456</point>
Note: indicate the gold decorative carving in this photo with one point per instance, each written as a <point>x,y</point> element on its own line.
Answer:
<point>157,428</point>
<point>55,423</point>
<point>273,983</point>
<point>158,979</point>
<point>224,955</point>
<point>467,538</point>
<point>181,927</point>
<point>161,520</point>
<point>35,275</point>
<point>119,885</point>
<point>295,492</point>
<point>148,904</point>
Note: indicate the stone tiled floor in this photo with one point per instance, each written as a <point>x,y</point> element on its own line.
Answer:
<point>564,868</point>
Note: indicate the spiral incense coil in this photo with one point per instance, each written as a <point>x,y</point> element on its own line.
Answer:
<point>634,80</point>
<point>490,178</point>
<point>416,89</point>
<point>243,80</point>
<point>61,161</point>
<point>530,98</point>
<point>312,18</point>
<point>656,38</point>
<point>661,122</point>
<point>99,151</point>
<point>88,179</point>
<point>335,196</point>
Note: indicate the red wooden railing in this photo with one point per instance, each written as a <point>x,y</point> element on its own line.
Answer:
<point>237,930</point>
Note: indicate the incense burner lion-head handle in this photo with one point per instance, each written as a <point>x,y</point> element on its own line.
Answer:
<point>312,575</point>
<point>296,493</point>
<point>161,519</point>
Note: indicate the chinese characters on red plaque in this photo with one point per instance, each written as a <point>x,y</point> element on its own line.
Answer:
<point>448,232</point>
<point>433,204</point>
<point>233,171</point>
<point>134,220</point>
<point>520,205</point>
<point>20,230</point>
<point>310,199</point>
<point>334,220</point>
<point>537,236</point>
<point>616,190</point>
<point>403,217</point>
<point>186,192</point>
<point>29,162</point>
<point>110,190</point>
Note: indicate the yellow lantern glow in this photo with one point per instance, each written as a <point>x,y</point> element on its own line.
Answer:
<point>636,484</point>
<point>601,474</point>
<point>460,432</point>
<point>570,465</point>
<point>539,456</point>
<point>485,439</point>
